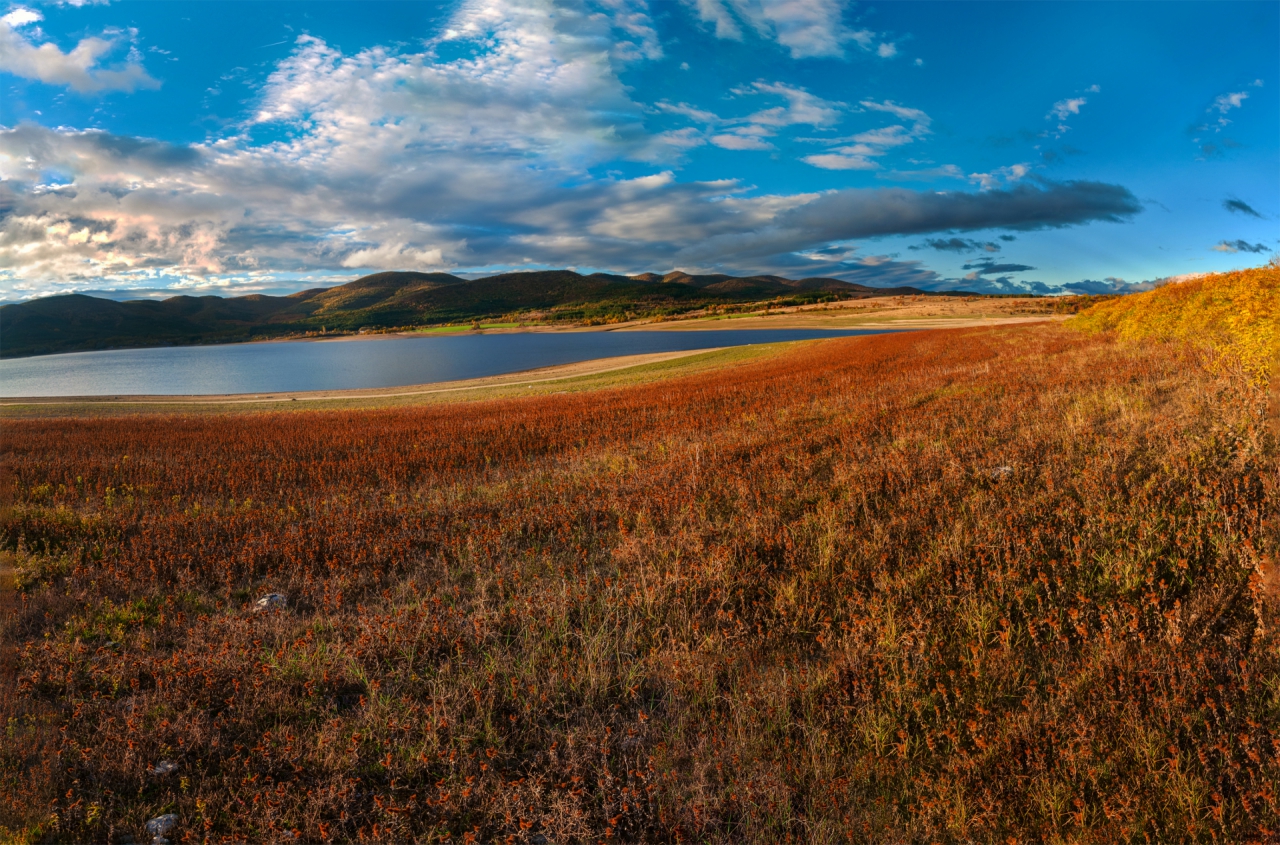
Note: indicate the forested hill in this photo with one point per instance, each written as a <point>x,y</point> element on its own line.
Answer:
<point>384,300</point>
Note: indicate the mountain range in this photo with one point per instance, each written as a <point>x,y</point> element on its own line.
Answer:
<point>74,322</point>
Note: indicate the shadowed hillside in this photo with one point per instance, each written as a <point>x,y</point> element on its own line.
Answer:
<point>386,300</point>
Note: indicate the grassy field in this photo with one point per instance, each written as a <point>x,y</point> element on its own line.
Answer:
<point>979,585</point>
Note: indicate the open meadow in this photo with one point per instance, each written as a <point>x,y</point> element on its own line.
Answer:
<point>1005,584</point>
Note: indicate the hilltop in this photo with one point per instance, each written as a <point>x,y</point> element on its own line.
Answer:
<point>396,299</point>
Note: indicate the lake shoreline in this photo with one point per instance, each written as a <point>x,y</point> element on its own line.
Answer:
<point>245,371</point>
<point>517,378</point>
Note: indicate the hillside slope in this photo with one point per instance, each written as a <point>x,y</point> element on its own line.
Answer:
<point>1237,314</point>
<point>990,586</point>
<point>382,300</point>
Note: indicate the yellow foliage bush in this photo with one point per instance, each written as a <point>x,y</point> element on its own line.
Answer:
<point>1236,314</point>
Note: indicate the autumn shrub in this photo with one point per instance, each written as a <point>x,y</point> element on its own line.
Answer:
<point>962,586</point>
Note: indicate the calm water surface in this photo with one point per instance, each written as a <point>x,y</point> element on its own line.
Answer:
<point>355,364</point>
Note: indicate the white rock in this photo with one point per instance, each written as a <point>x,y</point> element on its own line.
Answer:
<point>161,825</point>
<point>271,601</point>
<point>1000,472</point>
<point>165,767</point>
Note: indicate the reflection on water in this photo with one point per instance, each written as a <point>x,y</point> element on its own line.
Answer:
<point>352,364</point>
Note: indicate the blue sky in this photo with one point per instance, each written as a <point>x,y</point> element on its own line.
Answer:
<point>154,148</point>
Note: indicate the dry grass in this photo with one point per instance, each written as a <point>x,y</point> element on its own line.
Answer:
<point>1236,314</point>
<point>993,585</point>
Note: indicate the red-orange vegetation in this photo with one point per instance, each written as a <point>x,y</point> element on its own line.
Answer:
<point>989,585</point>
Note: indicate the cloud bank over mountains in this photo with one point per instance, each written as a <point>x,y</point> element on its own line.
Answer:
<point>487,146</point>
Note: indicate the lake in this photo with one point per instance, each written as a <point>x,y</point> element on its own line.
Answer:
<point>290,366</point>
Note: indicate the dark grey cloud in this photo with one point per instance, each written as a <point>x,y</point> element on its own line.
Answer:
<point>1217,150</point>
<point>1008,237</point>
<point>1109,285</point>
<point>1000,284</point>
<point>957,245</point>
<point>74,150</point>
<point>988,268</point>
<point>862,213</point>
<point>1240,207</point>
<point>1240,246</point>
<point>857,213</point>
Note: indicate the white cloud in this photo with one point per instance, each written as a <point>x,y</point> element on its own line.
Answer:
<point>918,117</point>
<point>873,143</point>
<point>1257,83</point>
<point>801,108</point>
<point>1223,103</point>
<point>1065,108</point>
<point>1000,176</point>
<point>747,133</point>
<point>840,161</point>
<point>807,28</point>
<point>393,256</point>
<point>20,17</point>
<point>540,85</point>
<point>686,110</point>
<point>632,18</point>
<point>80,69</point>
<point>740,142</point>
<point>1226,102</point>
<point>716,12</point>
<point>888,136</point>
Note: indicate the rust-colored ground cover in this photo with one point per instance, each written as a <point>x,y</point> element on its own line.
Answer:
<point>989,585</point>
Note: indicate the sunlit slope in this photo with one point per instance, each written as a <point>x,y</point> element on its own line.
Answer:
<point>1235,313</point>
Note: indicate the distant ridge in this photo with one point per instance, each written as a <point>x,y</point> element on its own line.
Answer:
<point>75,322</point>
